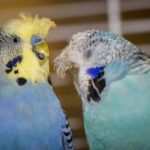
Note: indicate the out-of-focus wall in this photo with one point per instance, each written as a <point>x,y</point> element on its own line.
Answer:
<point>71,16</point>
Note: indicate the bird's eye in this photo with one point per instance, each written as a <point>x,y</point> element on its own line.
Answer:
<point>15,40</point>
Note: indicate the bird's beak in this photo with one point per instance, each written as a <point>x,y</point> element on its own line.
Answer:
<point>40,47</point>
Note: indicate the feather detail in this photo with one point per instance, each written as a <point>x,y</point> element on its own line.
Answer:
<point>34,26</point>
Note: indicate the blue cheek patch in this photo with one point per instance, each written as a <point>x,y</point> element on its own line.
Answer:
<point>94,72</point>
<point>13,62</point>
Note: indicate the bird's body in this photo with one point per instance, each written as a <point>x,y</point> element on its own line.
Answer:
<point>113,81</point>
<point>31,117</point>
<point>121,120</point>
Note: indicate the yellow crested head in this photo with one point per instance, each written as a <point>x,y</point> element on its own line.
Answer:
<point>33,48</point>
<point>27,25</point>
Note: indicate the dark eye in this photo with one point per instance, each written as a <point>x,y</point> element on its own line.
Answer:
<point>15,40</point>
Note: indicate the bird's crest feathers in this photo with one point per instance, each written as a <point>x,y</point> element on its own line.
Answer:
<point>34,26</point>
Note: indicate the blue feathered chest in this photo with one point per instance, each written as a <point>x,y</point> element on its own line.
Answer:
<point>30,116</point>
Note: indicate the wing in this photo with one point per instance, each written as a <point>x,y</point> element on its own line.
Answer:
<point>67,137</point>
<point>66,131</point>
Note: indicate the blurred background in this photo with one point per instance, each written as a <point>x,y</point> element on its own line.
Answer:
<point>130,18</point>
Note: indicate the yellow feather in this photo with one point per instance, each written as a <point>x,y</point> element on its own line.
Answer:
<point>27,25</point>
<point>31,67</point>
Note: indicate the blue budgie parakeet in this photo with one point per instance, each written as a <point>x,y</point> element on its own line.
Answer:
<point>112,77</point>
<point>31,117</point>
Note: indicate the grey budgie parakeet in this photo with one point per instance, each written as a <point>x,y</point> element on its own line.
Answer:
<point>31,117</point>
<point>112,77</point>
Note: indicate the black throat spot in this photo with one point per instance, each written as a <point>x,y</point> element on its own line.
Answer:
<point>16,71</point>
<point>9,70</point>
<point>96,87</point>
<point>21,81</point>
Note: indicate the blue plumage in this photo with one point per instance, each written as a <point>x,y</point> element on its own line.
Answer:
<point>29,119</point>
<point>121,120</point>
<point>116,98</point>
